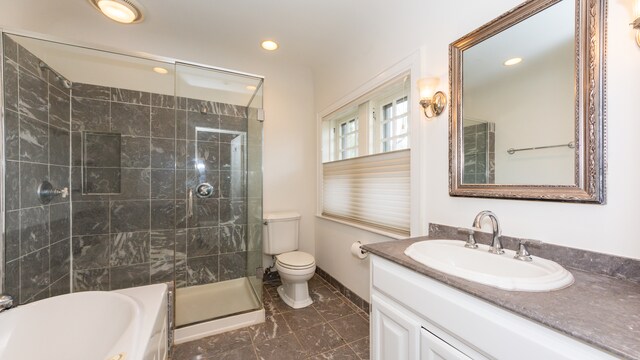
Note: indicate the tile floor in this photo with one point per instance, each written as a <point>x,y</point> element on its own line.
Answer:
<point>331,328</point>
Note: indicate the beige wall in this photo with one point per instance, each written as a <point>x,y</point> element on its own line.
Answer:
<point>606,228</point>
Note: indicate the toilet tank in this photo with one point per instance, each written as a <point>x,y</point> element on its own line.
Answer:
<point>280,232</point>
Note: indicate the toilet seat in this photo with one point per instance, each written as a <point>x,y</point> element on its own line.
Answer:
<point>296,260</point>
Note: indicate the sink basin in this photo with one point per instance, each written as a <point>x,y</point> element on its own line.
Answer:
<point>480,266</point>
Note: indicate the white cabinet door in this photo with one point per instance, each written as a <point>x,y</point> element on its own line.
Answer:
<point>434,348</point>
<point>395,334</point>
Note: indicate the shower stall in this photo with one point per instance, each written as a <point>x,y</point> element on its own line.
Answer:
<point>122,171</point>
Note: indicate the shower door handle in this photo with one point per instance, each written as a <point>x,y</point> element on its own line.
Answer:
<point>190,204</point>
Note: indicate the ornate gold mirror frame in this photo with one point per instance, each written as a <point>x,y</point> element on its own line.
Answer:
<point>590,106</point>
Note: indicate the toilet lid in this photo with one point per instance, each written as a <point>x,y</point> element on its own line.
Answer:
<point>297,259</point>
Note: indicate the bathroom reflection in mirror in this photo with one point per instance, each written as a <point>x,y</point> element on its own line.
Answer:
<point>527,105</point>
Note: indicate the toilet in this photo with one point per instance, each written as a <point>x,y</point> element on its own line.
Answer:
<point>295,267</point>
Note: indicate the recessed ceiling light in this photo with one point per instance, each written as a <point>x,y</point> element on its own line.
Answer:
<point>160,70</point>
<point>251,87</point>
<point>269,45</point>
<point>122,11</point>
<point>513,61</point>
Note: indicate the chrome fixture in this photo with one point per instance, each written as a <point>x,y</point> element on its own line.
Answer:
<point>471,240</point>
<point>6,302</point>
<point>204,190</point>
<point>433,102</point>
<point>523,253</point>
<point>496,245</point>
<point>570,145</point>
<point>46,192</point>
<point>66,83</point>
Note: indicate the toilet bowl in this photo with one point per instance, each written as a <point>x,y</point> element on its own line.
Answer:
<point>295,269</point>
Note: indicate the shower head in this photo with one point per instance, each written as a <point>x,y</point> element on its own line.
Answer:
<point>65,82</point>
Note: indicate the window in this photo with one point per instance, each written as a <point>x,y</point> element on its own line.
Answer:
<point>366,160</point>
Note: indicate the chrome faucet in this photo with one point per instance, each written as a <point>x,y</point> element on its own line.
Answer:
<point>496,245</point>
<point>6,302</point>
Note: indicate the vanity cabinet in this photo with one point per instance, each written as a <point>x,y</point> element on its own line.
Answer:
<point>416,317</point>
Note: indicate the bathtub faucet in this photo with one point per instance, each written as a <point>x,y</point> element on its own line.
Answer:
<point>6,302</point>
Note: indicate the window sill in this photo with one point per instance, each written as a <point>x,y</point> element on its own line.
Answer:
<point>364,227</point>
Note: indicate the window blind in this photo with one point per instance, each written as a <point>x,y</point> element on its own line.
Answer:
<point>371,190</point>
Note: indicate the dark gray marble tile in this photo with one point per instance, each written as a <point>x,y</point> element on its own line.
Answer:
<point>220,346</point>
<point>319,339</point>
<point>163,184</point>
<point>57,82</point>
<point>90,218</point>
<point>102,150</point>
<point>233,265</point>
<point>59,146</point>
<point>162,255</point>
<point>130,96</point>
<point>59,222</point>
<point>129,248</point>
<point>181,272</point>
<point>181,103</point>
<point>163,154</point>
<point>130,119</point>
<point>303,318</point>
<point>91,280</point>
<point>202,242</point>
<point>59,178</point>
<point>12,278</point>
<point>34,229</point>
<point>163,101</point>
<point>12,236</point>
<point>59,108</point>
<point>31,176</point>
<point>61,286</point>
<point>202,270</point>
<point>233,123</point>
<point>163,123</point>
<point>204,156</point>
<point>10,48</point>
<point>181,214</point>
<point>163,214</point>
<point>29,62</point>
<point>351,328</point>
<point>135,184</point>
<point>79,191</point>
<point>11,86</point>
<point>232,184</point>
<point>181,124</point>
<point>129,216</point>
<point>12,185</point>
<point>196,177</point>
<point>34,273</point>
<point>205,213</point>
<point>181,154</point>
<point>60,260</point>
<point>274,326</point>
<point>90,91</point>
<point>11,135</point>
<point>233,238</point>
<point>361,348</point>
<point>76,148</point>
<point>90,115</point>
<point>285,347</point>
<point>231,156</point>
<point>199,106</point>
<point>233,212</point>
<point>102,180</point>
<point>135,152</point>
<point>34,141</point>
<point>90,252</point>
<point>330,305</point>
<point>196,119</point>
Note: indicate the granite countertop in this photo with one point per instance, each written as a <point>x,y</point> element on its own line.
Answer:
<point>598,309</point>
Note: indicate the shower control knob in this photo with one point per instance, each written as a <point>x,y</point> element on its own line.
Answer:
<point>204,190</point>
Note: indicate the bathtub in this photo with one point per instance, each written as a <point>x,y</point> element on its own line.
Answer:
<point>129,324</point>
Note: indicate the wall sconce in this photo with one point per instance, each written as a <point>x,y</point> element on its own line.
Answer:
<point>433,102</point>
<point>636,23</point>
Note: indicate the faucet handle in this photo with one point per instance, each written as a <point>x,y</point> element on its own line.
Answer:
<point>523,253</point>
<point>471,240</point>
<point>6,302</point>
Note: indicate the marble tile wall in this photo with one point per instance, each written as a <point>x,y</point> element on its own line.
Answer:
<point>143,234</point>
<point>479,154</point>
<point>36,140</point>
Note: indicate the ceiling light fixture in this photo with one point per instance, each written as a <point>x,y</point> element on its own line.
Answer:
<point>512,61</point>
<point>160,70</point>
<point>251,88</point>
<point>122,11</point>
<point>269,45</point>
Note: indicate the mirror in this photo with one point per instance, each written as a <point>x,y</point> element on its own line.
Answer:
<point>527,105</point>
